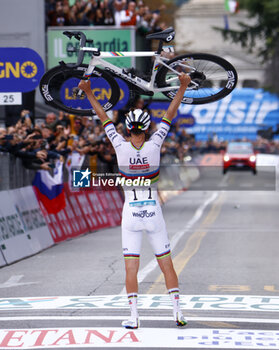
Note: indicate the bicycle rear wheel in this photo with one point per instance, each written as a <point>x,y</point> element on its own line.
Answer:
<point>212,77</point>
<point>59,84</point>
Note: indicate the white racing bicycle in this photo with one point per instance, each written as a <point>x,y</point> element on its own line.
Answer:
<point>212,77</point>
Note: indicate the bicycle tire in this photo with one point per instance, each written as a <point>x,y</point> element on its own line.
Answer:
<point>55,82</point>
<point>212,72</point>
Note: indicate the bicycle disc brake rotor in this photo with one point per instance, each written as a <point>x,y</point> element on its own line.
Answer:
<point>198,78</point>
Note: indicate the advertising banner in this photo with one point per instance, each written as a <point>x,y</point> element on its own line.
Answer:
<point>95,201</point>
<point>77,210</point>
<point>145,338</point>
<point>104,38</point>
<point>239,115</point>
<point>32,218</point>
<point>2,260</point>
<point>20,69</point>
<point>100,89</point>
<point>14,240</point>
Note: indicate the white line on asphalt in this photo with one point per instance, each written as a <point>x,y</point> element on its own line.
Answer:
<point>144,318</point>
<point>13,281</point>
<point>153,263</point>
<point>224,181</point>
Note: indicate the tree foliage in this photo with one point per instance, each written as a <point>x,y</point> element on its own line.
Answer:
<point>265,28</point>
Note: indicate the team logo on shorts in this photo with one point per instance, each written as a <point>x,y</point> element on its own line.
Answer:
<point>144,214</point>
<point>81,178</point>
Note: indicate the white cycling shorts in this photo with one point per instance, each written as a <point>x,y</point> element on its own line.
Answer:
<point>147,218</point>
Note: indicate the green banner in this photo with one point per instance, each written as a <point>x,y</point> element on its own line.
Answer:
<point>107,39</point>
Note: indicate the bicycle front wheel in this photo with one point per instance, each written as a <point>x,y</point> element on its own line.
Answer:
<point>59,86</point>
<point>212,78</point>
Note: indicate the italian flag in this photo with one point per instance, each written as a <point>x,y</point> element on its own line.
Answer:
<point>231,6</point>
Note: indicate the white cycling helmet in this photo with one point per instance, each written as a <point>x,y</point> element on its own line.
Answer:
<point>137,120</point>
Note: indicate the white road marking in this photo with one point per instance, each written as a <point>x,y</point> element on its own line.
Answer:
<point>224,181</point>
<point>143,273</point>
<point>217,303</point>
<point>142,318</point>
<point>13,281</point>
<point>112,337</point>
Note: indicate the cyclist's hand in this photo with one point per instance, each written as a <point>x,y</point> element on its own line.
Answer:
<point>41,154</point>
<point>45,166</point>
<point>85,86</point>
<point>184,79</point>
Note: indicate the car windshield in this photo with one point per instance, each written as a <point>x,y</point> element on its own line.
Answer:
<point>240,148</point>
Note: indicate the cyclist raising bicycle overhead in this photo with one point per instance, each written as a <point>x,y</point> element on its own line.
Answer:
<point>142,211</point>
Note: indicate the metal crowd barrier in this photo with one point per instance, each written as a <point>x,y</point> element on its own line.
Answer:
<point>12,173</point>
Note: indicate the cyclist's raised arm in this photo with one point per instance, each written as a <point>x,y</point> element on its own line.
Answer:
<point>115,138</point>
<point>159,136</point>
<point>86,87</point>
<point>184,82</point>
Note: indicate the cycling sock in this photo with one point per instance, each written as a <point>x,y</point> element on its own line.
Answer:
<point>177,313</point>
<point>133,300</point>
<point>174,295</point>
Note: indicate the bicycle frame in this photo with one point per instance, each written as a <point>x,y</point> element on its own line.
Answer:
<point>140,82</point>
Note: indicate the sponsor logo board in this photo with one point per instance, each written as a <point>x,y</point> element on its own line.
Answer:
<point>148,301</point>
<point>21,69</point>
<point>144,337</point>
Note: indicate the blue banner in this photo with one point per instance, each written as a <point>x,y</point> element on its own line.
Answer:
<point>101,90</point>
<point>239,115</point>
<point>20,69</point>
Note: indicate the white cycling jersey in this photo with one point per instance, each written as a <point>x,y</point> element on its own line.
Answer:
<point>141,209</point>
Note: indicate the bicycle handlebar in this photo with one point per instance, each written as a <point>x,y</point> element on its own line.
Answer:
<point>82,42</point>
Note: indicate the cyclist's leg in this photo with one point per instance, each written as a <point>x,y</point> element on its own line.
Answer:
<point>131,243</point>
<point>131,268</point>
<point>161,247</point>
<point>168,271</point>
<point>171,282</point>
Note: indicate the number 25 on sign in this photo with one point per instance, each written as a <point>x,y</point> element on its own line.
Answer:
<point>10,98</point>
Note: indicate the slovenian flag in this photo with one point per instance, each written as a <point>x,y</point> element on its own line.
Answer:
<point>231,6</point>
<point>50,189</point>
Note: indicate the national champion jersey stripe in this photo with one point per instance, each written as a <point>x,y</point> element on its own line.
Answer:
<point>117,53</point>
<point>166,121</point>
<point>163,255</point>
<point>138,149</point>
<point>107,123</point>
<point>131,256</point>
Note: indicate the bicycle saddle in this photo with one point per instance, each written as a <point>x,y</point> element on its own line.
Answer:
<point>166,35</point>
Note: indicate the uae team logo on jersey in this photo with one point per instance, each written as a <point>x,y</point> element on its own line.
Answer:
<point>138,163</point>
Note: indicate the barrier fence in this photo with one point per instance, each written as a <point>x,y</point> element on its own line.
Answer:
<point>25,226</point>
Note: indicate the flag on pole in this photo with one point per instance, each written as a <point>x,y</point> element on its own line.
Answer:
<point>231,6</point>
<point>50,189</point>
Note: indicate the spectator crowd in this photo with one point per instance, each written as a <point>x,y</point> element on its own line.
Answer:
<point>104,13</point>
<point>59,135</point>
<point>39,145</point>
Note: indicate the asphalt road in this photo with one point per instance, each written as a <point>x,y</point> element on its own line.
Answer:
<point>225,250</point>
